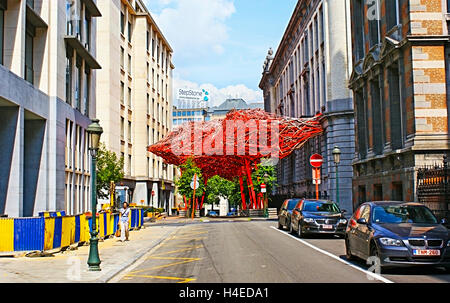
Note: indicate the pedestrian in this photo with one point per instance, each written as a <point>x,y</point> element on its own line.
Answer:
<point>124,222</point>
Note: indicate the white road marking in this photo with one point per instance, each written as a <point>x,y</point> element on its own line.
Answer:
<point>374,275</point>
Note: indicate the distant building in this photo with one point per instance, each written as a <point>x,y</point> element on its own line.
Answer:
<point>219,112</point>
<point>183,115</point>
<point>309,74</point>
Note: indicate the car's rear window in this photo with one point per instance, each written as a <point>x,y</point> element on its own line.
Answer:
<point>403,214</point>
<point>317,206</point>
<point>291,204</point>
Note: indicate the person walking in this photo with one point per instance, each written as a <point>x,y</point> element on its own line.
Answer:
<point>124,222</point>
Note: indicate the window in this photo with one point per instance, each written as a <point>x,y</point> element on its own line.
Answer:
<point>87,28</point>
<point>129,165</point>
<point>392,18</point>
<point>69,64</point>
<point>129,64</point>
<point>129,97</point>
<point>397,191</point>
<point>87,84</point>
<point>122,128</point>
<point>122,58</point>
<point>2,24</point>
<point>395,108</point>
<point>157,54</point>
<point>70,7</point>
<point>148,135</point>
<point>153,77</point>
<point>129,131</point>
<point>148,41</point>
<point>448,6</point>
<point>377,118</point>
<point>148,104</point>
<point>361,125</point>
<point>78,77</point>
<point>358,21</point>
<point>157,84</point>
<point>29,46</point>
<point>122,23</point>
<point>374,23</point>
<point>153,48</point>
<point>148,72</point>
<point>122,92</point>
<point>130,32</point>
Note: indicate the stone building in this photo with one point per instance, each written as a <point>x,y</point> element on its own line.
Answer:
<point>400,85</point>
<point>308,75</point>
<point>47,100</point>
<point>135,97</point>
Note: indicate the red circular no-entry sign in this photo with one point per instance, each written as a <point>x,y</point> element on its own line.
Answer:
<point>316,160</point>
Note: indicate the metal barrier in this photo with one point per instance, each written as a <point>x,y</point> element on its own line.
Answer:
<point>54,232</point>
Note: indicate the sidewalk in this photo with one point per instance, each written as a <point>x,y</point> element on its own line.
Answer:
<point>71,266</point>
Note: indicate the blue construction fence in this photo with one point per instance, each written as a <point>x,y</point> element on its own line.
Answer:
<point>55,230</point>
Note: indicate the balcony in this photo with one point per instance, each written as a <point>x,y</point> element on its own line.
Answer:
<point>76,44</point>
<point>33,17</point>
<point>91,6</point>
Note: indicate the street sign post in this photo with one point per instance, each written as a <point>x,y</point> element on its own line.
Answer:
<point>194,186</point>
<point>316,161</point>
<point>263,188</point>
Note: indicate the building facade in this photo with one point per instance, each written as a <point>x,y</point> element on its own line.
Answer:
<point>47,100</point>
<point>400,84</point>
<point>134,92</point>
<point>183,115</point>
<point>308,75</point>
<point>221,111</point>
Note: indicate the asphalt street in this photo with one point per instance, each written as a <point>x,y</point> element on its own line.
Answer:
<point>257,252</point>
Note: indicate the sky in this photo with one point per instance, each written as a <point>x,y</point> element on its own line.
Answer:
<point>221,45</point>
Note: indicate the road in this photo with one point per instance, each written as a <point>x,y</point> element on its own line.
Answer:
<point>256,252</point>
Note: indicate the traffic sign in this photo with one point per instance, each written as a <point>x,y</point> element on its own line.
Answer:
<point>316,160</point>
<point>153,192</point>
<point>263,188</point>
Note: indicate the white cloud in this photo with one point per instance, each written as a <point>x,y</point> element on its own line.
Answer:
<point>219,95</point>
<point>194,27</point>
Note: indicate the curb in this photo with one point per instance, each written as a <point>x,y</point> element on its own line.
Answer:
<point>130,263</point>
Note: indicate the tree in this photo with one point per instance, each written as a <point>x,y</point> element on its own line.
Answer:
<point>264,174</point>
<point>109,169</point>
<point>189,169</point>
<point>219,187</point>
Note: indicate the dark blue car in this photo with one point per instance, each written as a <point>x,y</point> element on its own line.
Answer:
<point>397,234</point>
<point>284,217</point>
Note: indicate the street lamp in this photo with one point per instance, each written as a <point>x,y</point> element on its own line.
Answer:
<point>337,159</point>
<point>95,131</point>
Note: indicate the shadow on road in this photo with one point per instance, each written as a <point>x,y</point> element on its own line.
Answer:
<point>405,271</point>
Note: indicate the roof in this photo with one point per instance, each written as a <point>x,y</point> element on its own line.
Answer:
<point>230,104</point>
<point>394,203</point>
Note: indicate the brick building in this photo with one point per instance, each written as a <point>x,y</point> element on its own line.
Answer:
<point>400,85</point>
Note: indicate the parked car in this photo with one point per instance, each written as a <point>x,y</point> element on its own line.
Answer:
<point>284,216</point>
<point>399,234</point>
<point>318,217</point>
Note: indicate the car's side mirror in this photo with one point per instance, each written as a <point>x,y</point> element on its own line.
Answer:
<point>444,221</point>
<point>362,221</point>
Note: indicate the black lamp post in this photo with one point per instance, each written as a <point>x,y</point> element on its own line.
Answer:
<point>95,131</point>
<point>337,159</point>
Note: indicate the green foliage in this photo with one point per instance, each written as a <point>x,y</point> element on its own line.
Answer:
<point>109,168</point>
<point>184,182</point>
<point>219,187</point>
<point>266,175</point>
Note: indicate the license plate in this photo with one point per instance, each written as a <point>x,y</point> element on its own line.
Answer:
<point>327,226</point>
<point>426,252</point>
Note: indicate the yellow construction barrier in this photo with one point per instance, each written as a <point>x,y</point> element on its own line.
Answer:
<point>6,235</point>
